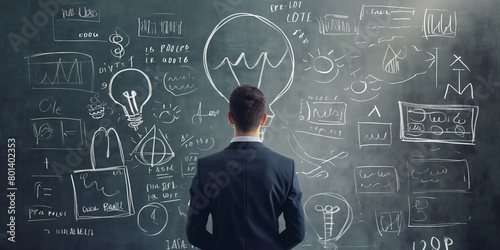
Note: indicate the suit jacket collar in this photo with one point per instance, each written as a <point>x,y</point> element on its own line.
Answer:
<point>246,145</point>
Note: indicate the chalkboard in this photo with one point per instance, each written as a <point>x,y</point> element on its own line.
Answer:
<point>389,109</point>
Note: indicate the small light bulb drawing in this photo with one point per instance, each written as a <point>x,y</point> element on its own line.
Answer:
<point>330,216</point>
<point>131,89</point>
<point>268,64</point>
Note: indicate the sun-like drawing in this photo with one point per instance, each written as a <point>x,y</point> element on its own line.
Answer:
<point>364,88</point>
<point>166,115</point>
<point>326,67</point>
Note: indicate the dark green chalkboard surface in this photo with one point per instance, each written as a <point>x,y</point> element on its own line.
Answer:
<point>389,109</point>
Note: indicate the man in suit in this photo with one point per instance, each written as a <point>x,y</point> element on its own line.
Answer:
<point>245,187</point>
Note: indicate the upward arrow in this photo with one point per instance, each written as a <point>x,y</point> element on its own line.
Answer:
<point>375,109</point>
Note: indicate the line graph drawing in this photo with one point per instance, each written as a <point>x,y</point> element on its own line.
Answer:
<point>61,70</point>
<point>75,71</point>
<point>439,23</point>
<point>261,62</point>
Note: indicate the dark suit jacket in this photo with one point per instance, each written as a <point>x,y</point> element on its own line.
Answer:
<point>245,188</point>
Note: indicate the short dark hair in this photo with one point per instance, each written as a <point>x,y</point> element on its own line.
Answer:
<point>247,107</point>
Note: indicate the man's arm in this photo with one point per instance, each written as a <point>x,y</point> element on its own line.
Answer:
<point>196,227</point>
<point>293,213</point>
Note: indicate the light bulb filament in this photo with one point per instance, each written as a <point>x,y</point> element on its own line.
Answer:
<point>328,212</point>
<point>131,101</point>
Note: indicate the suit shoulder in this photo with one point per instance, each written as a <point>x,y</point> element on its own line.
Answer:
<point>230,153</point>
<point>216,155</point>
<point>279,156</point>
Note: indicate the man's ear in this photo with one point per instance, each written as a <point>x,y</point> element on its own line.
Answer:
<point>264,118</point>
<point>230,118</point>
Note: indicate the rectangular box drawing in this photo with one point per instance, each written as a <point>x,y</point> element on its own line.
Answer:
<point>161,25</point>
<point>374,134</point>
<point>389,222</point>
<point>188,165</point>
<point>61,70</point>
<point>439,23</point>
<point>58,133</point>
<point>78,12</point>
<point>102,193</point>
<point>438,210</point>
<point>77,22</point>
<point>438,175</point>
<point>453,124</point>
<point>376,180</point>
<point>326,113</point>
<point>388,17</point>
<point>332,24</point>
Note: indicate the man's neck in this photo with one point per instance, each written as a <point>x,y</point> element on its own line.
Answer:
<point>255,133</point>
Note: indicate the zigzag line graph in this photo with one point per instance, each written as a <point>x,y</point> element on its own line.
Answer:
<point>263,60</point>
<point>61,70</point>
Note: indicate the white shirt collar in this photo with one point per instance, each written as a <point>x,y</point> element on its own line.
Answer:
<point>245,139</point>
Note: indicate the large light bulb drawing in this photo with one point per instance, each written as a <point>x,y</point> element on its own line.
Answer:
<point>249,49</point>
<point>131,89</point>
<point>330,216</point>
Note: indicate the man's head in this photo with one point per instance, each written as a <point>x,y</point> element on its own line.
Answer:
<point>247,108</point>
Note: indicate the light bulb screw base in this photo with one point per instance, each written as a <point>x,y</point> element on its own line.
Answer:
<point>330,244</point>
<point>267,124</point>
<point>269,120</point>
<point>134,120</point>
